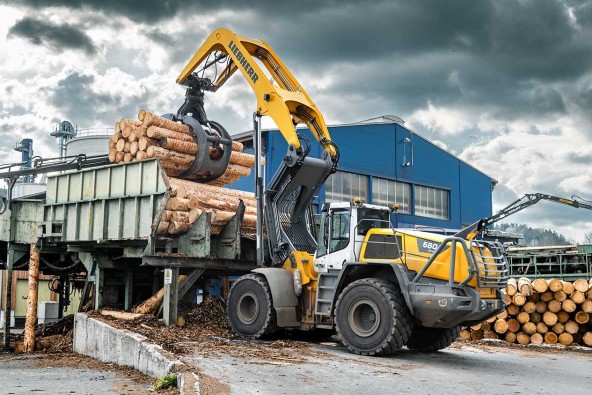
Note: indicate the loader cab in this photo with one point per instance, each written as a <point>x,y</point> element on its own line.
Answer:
<point>343,229</point>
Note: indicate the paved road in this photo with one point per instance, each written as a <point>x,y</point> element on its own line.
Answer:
<point>462,368</point>
<point>40,374</point>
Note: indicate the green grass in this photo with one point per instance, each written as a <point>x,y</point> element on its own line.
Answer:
<point>164,382</point>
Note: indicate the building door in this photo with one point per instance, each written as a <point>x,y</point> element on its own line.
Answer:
<point>44,295</point>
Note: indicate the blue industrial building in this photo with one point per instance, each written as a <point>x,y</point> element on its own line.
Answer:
<point>383,162</point>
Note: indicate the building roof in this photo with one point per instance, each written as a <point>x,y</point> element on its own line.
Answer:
<point>385,119</point>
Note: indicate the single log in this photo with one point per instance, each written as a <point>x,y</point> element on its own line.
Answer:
<point>464,334</point>
<point>581,285</point>
<point>529,307</point>
<point>156,132</point>
<point>145,142</point>
<point>111,145</point>
<point>587,339</point>
<point>535,296</point>
<point>121,315</point>
<point>562,317</point>
<point>572,327</point>
<point>558,328</point>
<point>150,305</point>
<point>524,286</point>
<point>181,216</point>
<point>476,327</point>
<point>568,306</point>
<point>536,338</point>
<point>568,287</point>
<point>510,337</point>
<point>555,285</point>
<point>546,296</point>
<point>523,317</point>
<point>507,299</point>
<point>117,128</point>
<point>535,317</point>
<point>216,190</point>
<point>141,155</point>
<point>491,320</point>
<point>134,148</point>
<point>566,339</point>
<point>112,155</point>
<point>550,338</point>
<point>529,328</point>
<point>513,325</point>
<point>560,296</point>
<point>503,315</point>
<point>179,204</point>
<point>166,215</point>
<point>150,119</point>
<point>540,285</point>
<point>518,299</point>
<point>582,317</point>
<point>589,293</point>
<point>587,306</point>
<point>549,318</point>
<point>32,297</point>
<point>119,157</point>
<point>120,145</point>
<point>523,338</point>
<point>554,306</point>
<point>578,297</point>
<point>500,326</point>
<point>127,157</point>
<point>512,287</point>
<point>477,335</point>
<point>542,328</point>
<point>167,156</point>
<point>163,227</point>
<point>490,335</point>
<point>541,307</point>
<point>485,326</point>
<point>141,115</point>
<point>133,136</point>
<point>176,227</point>
<point>512,309</point>
<point>127,146</point>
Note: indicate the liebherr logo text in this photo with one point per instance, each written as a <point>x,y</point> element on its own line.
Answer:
<point>243,62</point>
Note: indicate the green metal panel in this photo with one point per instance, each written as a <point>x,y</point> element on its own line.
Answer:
<point>585,248</point>
<point>116,202</point>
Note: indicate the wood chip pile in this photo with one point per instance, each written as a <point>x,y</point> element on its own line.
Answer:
<point>542,311</point>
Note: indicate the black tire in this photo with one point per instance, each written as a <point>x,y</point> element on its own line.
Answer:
<point>432,339</point>
<point>372,318</point>
<point>250,307</point>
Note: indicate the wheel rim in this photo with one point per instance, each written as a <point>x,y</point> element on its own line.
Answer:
<point>363,317</point>
<point>248,308</point>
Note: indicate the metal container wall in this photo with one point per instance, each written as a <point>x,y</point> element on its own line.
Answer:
<point>116,202</point>
<point>26,215</point>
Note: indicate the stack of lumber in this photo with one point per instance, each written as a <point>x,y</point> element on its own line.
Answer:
<point>152,136</point>
<point>542,311</point>
<point>189,200</point>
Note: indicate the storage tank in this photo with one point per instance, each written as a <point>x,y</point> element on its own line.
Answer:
<point>90,142</point>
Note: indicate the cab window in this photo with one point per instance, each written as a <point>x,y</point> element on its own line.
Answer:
<point>339,230</point>
<point>372,218</point>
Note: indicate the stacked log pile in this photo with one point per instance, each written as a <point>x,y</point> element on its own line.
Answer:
<point>189,200</point>
<point>152,136</point>
<point>543,311</point>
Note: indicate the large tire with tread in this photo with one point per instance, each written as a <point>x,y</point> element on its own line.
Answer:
<point>250,307</point>
<point>371,317</point>
<point>432,339</point>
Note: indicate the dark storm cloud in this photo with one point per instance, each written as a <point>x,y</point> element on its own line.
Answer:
<point>57,37</point>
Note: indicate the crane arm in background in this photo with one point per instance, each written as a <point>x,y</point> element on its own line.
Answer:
<point>520,204</point>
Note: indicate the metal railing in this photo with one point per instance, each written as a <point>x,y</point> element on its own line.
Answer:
<point>94,132</point>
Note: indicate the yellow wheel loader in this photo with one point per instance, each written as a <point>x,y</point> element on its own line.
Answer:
<point>379,288</point>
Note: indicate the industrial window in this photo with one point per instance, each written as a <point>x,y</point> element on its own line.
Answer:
<point>432,202</point>
<point>386,192</point>
<point>343,187</point>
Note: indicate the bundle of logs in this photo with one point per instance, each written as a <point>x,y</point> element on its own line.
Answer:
<point>157,137</point>
<point>542,311</point>
<point>189,200</point>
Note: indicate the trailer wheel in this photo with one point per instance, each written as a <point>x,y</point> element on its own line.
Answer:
<point>250,308</point>
<point>372,318</point>
<point>432,339</point>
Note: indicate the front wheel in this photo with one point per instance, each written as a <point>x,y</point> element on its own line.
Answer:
<point>250,307</point>
<point>432,339</point>
<point>372,318</point>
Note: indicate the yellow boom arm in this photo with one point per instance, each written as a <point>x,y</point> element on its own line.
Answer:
<point>285,101</point>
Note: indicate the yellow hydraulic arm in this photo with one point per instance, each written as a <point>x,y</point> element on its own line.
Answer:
<point>281,97</point>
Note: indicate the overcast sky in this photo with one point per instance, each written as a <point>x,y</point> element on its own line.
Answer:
<point>505,85</point>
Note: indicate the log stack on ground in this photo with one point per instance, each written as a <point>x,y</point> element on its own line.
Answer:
<point>541,311</point>
<point>156,137</point>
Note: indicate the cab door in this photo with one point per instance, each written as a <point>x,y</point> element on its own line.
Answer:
<point>335,240</point>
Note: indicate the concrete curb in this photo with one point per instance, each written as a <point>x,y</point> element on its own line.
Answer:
<point>101,341</point>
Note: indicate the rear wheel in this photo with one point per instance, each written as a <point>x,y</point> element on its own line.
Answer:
<point>432,339</point>
<point>250,308</point>
<point>372,318</point>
